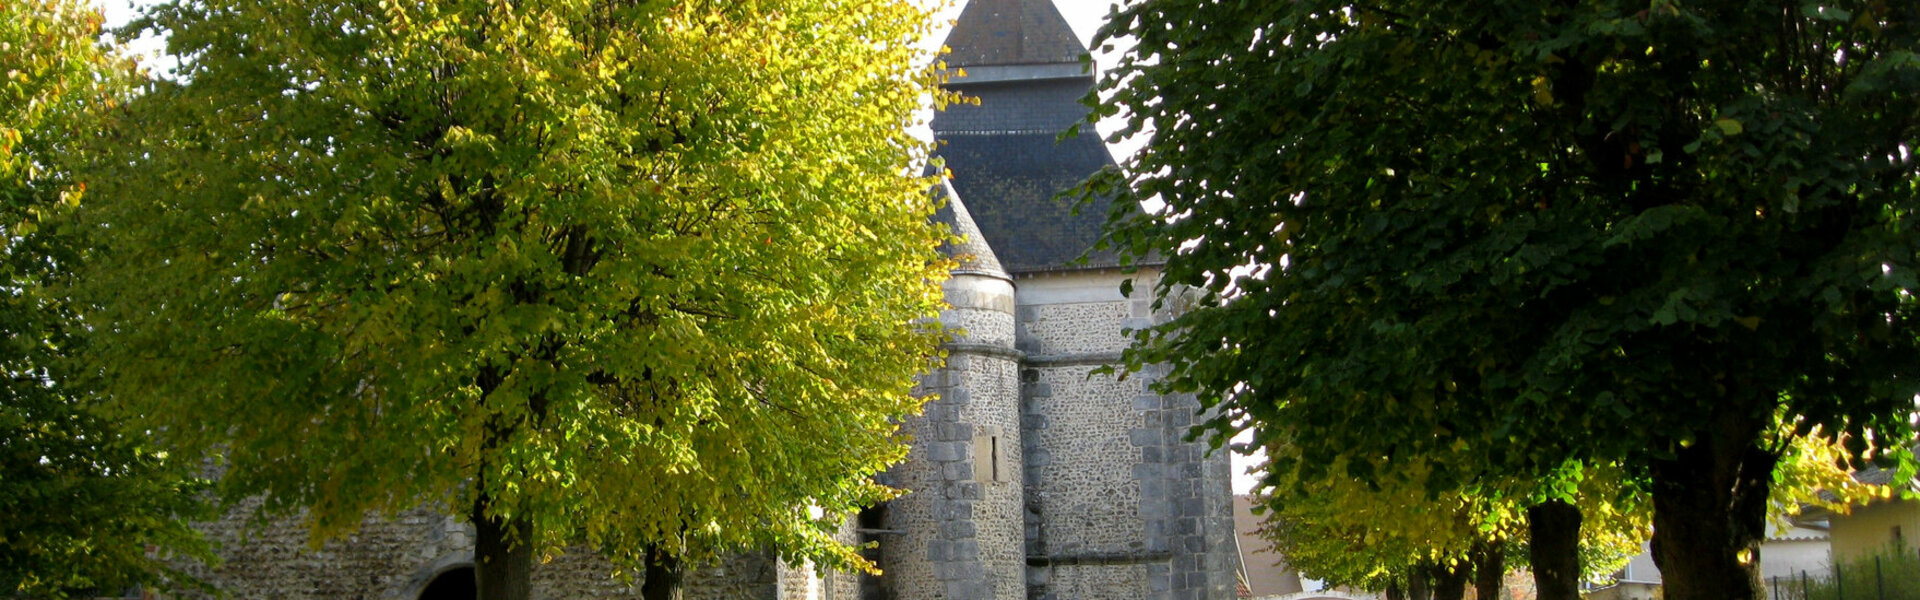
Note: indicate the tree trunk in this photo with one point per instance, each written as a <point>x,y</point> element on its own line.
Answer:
<point>1710,510</point>
<point>1553,540</point>
<point>1417,588</point>
<point>1489,569</point>
<point>1394,592</point>
<point>662,576</point>
<point>1450,583</point>
<point>502,554</point>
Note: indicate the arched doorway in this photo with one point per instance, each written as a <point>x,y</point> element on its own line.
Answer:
<point>452,584</point>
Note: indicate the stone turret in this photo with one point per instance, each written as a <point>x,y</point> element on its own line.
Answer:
<point>958,533</point>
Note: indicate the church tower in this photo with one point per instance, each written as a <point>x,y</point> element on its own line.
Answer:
<point>1031,476</point>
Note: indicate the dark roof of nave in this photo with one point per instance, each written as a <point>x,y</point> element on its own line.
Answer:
<point>1010,181</point>
<point>1012,32</point>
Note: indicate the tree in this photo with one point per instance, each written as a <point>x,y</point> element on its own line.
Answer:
<point>645,276</point>
<point>1545,234</point>
<point>89,504</point>
<point>1383,535</point>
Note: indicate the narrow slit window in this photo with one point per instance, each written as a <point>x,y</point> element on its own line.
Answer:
<point>995,458</point>
<point>989,458</point>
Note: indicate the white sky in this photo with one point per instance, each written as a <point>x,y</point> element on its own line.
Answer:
<point>1084,16</point>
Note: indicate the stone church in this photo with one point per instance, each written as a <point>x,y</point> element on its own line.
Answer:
<point>1029,478</point>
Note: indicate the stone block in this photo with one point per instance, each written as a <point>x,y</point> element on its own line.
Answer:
<point>957,590</point>
<point>973,570</point>
<point>1039,576</point>
<point>1191,507</point>
<point>1151,485</point>
<point>954,432</point>
<point>1039,458</point>
<point>958,470</point>
<point>1150,420</point>
<point>1027,344</point>
<point>1196,545</point>
<point>954,510</point>
<point>1155,510</point>
<point>944,451</point>
<point>1192,470</point>
<point>1185,527</point>
<point>954,530</point>
<point>1179,418</point>
<point>1144,437</point>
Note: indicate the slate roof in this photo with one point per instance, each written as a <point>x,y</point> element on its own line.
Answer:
<point>1012,32</point>
<point>972,250</point>
<point>1009,181</point>
<point>1006,164</point>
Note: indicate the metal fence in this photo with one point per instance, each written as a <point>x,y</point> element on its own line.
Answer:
<point>1891,574</point>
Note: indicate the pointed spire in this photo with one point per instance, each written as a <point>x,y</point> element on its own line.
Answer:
<point>972,250</point>
<point>1012,32</point>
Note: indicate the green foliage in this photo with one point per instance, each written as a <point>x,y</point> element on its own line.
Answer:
<point>1510,238</point>
<point>1521,234</point>
<point>1813,473</point>
<point>1348,532</point>
<point>87,505</point>
<point>640,273</point>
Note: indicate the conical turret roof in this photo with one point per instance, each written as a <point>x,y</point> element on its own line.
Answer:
<point>971,250</point>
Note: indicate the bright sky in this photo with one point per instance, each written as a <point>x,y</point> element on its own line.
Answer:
<point>1084,16</point>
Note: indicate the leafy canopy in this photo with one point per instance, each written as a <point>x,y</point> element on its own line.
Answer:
<point>1518,234</point>
<point>83,497</point>
<point>641,273</point>
<point>1374,534</point>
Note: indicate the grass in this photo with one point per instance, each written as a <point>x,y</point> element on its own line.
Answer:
<point>1892,573</point>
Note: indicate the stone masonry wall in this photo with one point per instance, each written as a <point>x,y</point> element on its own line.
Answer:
<point>956,534</point>
<point>1119,504</point>
<point>395,558</point>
